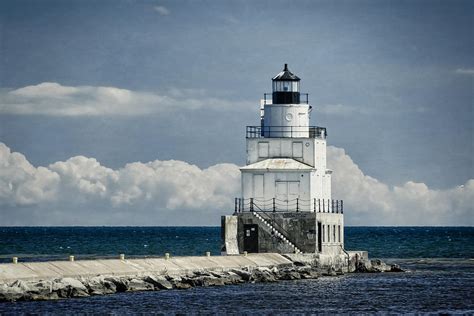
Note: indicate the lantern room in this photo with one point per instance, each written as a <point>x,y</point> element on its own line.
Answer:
<point>286,88</point>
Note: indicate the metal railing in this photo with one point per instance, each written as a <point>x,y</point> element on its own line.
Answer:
<point>268,98</point>
<point>286,131</point>
<point>271,220</point>
<point>294,205</point>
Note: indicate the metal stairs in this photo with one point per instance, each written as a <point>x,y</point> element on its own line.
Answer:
<point>276,232</point>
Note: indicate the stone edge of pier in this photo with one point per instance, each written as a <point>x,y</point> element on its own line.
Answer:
<point>82,278</point>
<point>35,271</point>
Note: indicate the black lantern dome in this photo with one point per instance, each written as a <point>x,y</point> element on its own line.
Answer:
<point>286,87</point>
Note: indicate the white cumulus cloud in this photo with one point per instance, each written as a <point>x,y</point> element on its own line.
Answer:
<point>161,10</point>
<point>69,191</point>
<point>341,109</point>
<point>465,71</point>
<point>50,98</point>
<point>21,183</point>
<point>81,191</point>
<point>371,202</point>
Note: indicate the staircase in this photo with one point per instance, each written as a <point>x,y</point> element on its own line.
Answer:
<point>277,233</point>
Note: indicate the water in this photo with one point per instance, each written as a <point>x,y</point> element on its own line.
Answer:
<point>436,283</point>
<point>48,243</point>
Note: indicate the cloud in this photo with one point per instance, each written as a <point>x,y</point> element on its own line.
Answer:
<point>346,110</point>
<point>81,191</point>
<point>371,202</point>
<point>465,71</point>
<point>22,184</point>
<point>50,98</point>
<point>340,109</point>
<point>230,19</point>
<point>161,10</point>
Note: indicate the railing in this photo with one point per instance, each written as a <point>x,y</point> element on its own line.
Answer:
<point>286,131</point>
<point>268,98</point>
<point>271,220</point>
<point>294,205</point>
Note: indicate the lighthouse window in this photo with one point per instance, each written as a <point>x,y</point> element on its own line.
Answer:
<point>339,232</point>
<point>297,149</point>
<point>329,233</point>
<point>334,233</point>
<point>294,86</point>
<point>263,149</point>
<point>286,86</point>
<point>323,233</point>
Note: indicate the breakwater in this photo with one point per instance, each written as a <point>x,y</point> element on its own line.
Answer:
<point>64,279</point>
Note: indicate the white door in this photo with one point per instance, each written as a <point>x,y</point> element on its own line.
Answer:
<point>258,186</point>
<point>293,190</point>
<point>286,194</point>
<point>258,192</point>
<point>282,191</point>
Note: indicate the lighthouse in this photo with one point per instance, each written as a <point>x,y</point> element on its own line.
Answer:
<point>285,204</point>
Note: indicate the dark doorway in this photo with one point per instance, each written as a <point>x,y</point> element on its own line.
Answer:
<point>320,236</point>
<point>251,238</point>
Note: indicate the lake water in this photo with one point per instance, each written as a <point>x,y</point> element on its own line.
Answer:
<point>440,261</point>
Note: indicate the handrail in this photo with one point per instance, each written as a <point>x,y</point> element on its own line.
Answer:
<point>297,204</point>
<point>286,131</point>
<point>280,229</point>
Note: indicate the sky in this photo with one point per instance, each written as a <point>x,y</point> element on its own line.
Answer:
<point>134,112</point>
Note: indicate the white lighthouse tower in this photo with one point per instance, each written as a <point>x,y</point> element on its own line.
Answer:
<point>286,203</point>
<point>286,158</point>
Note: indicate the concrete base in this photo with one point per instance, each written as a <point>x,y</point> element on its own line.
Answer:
<point>229,235</point>
<point>280,232</point>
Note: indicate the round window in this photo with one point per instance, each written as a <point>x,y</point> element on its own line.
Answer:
<point>289,117</point>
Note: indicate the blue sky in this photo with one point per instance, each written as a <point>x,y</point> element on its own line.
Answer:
<point>391,80</point>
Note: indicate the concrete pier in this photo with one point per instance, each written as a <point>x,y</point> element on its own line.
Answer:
<point>35,271</point>
<point>82,278</point>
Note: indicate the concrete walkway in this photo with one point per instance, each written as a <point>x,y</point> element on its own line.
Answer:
<point>35,271</point>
